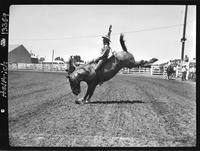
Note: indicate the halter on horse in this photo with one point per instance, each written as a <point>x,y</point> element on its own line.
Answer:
<point>108,70</point>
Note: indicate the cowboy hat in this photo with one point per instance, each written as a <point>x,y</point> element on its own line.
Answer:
<point>106,37</point>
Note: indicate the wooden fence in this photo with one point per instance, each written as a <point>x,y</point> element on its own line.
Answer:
<point>37,67</point>
<point>135,70</point>
<point>62,67</point>
<point>156,70</point>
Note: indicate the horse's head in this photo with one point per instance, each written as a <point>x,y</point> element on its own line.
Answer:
<point>74,82</point>
<point>70,68</point>
<point>73,78</point>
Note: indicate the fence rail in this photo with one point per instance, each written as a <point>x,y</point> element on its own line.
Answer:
<point>37,67</point>
<point>135,70</point>
<point>163,71</point>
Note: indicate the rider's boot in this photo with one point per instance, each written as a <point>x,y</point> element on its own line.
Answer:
<point>97,70</point>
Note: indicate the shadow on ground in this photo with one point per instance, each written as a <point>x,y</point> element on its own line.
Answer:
<point>118,102</point>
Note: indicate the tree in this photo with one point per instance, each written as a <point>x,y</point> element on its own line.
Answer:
<point>59,58</point>
<point>41,59</point>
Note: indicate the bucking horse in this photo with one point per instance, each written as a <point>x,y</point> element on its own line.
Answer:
<point>108,70</point>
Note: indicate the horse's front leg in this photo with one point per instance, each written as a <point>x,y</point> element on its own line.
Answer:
<point>87,93</point>
<point>82,100</point>
<point>91,91</point>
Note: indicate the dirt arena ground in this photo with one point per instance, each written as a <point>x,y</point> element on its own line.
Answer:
<point>128,110</point>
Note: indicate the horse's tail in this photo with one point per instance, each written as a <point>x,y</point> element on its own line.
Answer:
<point>122,42</point>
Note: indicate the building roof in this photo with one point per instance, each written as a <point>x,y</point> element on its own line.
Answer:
<point>18,49</point>
<point>19,54</point>
<point>12,47</point>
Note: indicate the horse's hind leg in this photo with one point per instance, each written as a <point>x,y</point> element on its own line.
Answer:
<point>145,62</point>
<point>140,63</point>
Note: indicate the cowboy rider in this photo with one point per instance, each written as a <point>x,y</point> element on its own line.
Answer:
<point>104,52</point>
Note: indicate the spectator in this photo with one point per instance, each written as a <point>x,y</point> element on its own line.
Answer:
<point>174,73</point>
<point>192,73</point>
<point>184,72</point>
<point>187,72</point>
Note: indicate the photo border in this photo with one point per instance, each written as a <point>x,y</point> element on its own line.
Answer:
<point>4,11</point>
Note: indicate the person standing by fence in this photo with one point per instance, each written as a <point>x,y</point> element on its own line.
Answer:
<point>192,73</point>
<point>184,72</point>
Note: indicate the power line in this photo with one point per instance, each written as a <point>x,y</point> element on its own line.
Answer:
<point>152,29</point>
<point>93,36</point>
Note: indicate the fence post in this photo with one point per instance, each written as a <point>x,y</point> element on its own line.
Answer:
<point>177,72</point>
<point>151,69</point>
<point>42,67</point>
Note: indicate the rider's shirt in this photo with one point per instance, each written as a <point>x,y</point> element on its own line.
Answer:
<point>105,51</point>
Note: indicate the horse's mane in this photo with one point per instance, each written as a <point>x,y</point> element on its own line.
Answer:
<point>82,66</point>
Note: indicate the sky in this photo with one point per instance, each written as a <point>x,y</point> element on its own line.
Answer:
<point>149,30</point>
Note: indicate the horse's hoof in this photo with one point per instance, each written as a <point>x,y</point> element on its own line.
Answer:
<point>80,101</point>
<point>87,101</point>
<point>77,102</point>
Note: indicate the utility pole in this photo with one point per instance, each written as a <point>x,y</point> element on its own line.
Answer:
<point>184,31</point>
